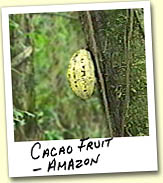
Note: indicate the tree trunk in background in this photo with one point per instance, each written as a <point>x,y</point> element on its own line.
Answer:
<point>23,75</point>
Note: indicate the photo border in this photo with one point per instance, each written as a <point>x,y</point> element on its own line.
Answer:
<point>145,148</point>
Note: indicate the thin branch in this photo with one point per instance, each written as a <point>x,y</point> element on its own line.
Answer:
<point>128,60</point>
<point>21,56</point>
<point>16,71</point>
<point>100,74</point>
<point>62,15</point>
<point>138,18</point>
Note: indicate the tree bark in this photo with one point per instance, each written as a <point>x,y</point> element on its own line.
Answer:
<point>106,46</point>
<point>94,25</point>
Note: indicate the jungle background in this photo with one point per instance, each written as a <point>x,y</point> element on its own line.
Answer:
<point>44,106</point>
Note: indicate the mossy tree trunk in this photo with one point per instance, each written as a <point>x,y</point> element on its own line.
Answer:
<point>109,37</point>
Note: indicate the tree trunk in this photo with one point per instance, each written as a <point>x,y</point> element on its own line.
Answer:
<point>106,45</point>
<point>23,75</point>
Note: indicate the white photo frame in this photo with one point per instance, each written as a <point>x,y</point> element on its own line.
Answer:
<point>125,154</point>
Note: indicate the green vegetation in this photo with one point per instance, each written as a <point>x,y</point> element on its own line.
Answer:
<point>45,108</point>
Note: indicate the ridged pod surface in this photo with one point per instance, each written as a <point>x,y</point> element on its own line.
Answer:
<point>81,74</point>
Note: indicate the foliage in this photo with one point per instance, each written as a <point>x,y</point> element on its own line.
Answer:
<point>43,97</point>
<point>58,112</point>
